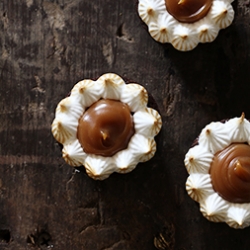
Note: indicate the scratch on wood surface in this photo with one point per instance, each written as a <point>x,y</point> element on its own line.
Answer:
<point>171,98</point>
<point>38,88</point>
<point>68,183</point>
<point>123,34</point>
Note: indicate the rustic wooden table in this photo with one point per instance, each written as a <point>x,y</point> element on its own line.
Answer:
<point>48,46</point>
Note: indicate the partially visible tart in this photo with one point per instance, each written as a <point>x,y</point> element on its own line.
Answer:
<point>106,126</point>
<point>185,23</point>
<point>219,172</point>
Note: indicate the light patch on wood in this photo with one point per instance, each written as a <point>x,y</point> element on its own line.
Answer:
<point>107,51</point>
<point>55,15</point>
<point>38,88</point>
<point>29,2</point>
<point>13,160</point>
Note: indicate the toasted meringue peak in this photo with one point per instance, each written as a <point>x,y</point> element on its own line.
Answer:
<point>184,38</point>
<point>147,122</point>
<point>207,32</point>
<point>135,96</point>
<point>149,9</point>
<point>87,92</point>
<point>239,216</point>
<point>215,137</point>
<point>198,186</point>
<point>151,149</point>
<point>125,161</point>
<point>239,129</point>
<point>141,146</point>
<point>222,13</point>
<point>99,167</point>
<point>198,160</point>
<point>73,154</point>
<point>164,28</point>
<point>112,86</point>
<point>64,130</point>
<point>69,107</point>
<point>214,208</point>
<point>65,123</point>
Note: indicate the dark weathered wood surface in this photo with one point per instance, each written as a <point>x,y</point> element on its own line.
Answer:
<point>48,46</point>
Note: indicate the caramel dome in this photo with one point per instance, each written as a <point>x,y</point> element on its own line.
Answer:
<point>188,11</point>
<point>105,128</point>
<point>230,173</point>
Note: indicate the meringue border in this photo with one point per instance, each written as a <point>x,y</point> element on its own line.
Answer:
<point>213,138</point>
<point>164,28</point>
<point>147,124</point>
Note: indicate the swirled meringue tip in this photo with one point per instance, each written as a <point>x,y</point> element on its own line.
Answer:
<point>146,125</point>
<point>214,138</point>
<point>239,216</point>
<point>198,186</point>
<point>164,28</point>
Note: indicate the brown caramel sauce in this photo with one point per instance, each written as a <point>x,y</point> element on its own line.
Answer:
<point>188,11</point>
<point>230,173</point>
<point>105,128</point>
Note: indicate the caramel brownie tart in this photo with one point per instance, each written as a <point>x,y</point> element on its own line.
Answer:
<point>106,126</point>
<point>185,23</point>
<point>219,172</point>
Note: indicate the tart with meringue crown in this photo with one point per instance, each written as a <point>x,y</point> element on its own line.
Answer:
<point>106,126</point>
<point>185,23</point>
<point>219,172</point>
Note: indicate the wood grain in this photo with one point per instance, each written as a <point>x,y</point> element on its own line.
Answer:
<point>48,46</point>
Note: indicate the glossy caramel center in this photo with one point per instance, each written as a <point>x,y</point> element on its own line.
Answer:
<point>188,11</point>
<point>230,173</point>
<point>105,128</point>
